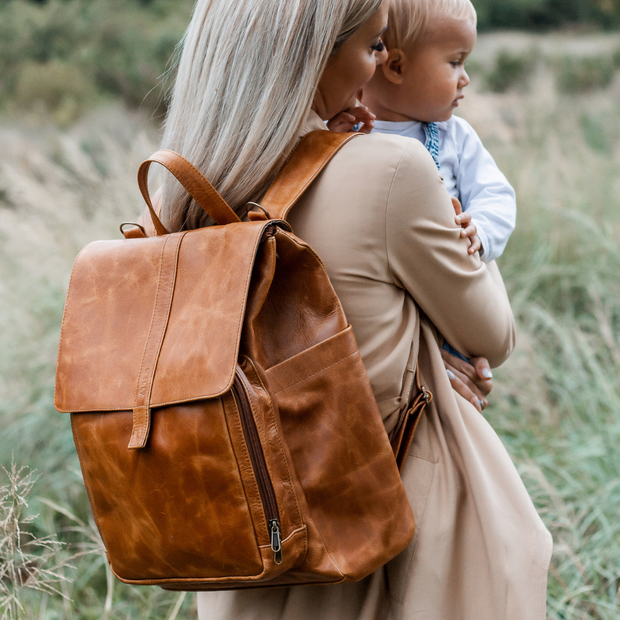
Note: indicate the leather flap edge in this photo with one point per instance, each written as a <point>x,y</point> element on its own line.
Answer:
<point>109,318</point>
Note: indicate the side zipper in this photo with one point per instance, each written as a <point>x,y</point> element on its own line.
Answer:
<point>265,488</point>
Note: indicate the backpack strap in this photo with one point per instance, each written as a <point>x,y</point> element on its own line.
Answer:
<point>311,155</point>
<point>415,396</point>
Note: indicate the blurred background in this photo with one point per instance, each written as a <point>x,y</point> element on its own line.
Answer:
<point>82,95</point>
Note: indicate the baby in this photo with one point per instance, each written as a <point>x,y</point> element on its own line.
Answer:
<point>414,94</point>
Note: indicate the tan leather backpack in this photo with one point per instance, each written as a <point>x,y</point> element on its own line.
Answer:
<point>225,424</point>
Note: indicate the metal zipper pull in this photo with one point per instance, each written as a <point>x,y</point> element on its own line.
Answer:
<point>276,541</point>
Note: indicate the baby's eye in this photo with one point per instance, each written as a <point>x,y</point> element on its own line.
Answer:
<point>456,63</point>
<point>378,47</point>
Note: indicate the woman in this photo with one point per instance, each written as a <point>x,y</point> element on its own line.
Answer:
<point>253,77</point>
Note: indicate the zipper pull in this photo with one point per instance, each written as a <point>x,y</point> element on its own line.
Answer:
<point>276,541</point>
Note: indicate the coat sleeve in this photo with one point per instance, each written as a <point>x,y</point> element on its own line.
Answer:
<point>463,297</point>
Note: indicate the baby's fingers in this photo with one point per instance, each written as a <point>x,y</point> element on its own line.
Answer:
<point>475,246</point>
<point>364,116</point>
<point>462,219</point>
<point>342,122</point>
<point>470,231</point>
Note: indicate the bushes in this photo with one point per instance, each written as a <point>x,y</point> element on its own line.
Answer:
<point>65,55</point>
<point>510,70</point>
<point>544,14</point>
<point>578,75</point>
<point>57,86</point>
<point>573,74</point>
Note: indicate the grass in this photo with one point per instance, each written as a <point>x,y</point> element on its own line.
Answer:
<point>556,402</point>
<point>58,191</point>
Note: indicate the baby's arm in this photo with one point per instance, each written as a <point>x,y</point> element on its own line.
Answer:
<point>486,194</point>
<point>347,120</point>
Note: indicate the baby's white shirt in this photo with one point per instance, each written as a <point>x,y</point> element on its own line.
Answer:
<point>472,176</point>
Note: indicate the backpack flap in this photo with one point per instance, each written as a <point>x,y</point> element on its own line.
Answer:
<point>155,321</point>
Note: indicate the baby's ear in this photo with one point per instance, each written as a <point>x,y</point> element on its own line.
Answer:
<point>393,66</point>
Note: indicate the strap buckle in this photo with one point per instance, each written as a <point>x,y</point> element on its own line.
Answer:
<point>249,207</point>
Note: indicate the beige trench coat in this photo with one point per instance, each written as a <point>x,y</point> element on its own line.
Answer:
<point>381,220</point>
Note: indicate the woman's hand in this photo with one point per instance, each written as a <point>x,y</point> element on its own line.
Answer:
<point>473,380</point>
<point>347,120</point>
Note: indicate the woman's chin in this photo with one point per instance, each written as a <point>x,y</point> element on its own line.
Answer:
<point>352,103</point>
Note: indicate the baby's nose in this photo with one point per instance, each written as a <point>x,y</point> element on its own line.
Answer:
<point>464,81</point>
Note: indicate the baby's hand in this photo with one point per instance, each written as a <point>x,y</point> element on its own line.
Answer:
<point>468,230</point>
<point>346,121</point>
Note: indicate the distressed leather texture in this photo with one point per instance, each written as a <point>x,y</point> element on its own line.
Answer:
<point>226,428</point>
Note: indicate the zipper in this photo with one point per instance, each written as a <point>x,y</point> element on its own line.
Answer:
<point>265,488</point>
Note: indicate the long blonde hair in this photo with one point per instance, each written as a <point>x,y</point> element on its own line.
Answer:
<point>246,79</point>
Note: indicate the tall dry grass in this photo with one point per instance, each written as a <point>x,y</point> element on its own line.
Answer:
<point>556,402</point>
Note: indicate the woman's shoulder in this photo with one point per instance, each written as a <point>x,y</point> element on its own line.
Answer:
<point>388,147</point>
<point>381,156</point>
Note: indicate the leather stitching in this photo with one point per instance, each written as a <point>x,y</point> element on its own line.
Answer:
<point>288,387</point>
<point>152,349</point>
<point>246,285</point>
<point>148,338</point>
<point>228,403</point>
<point>279,440</point>
<point>237,578</point>
<point>296,531</point>
<point>64,314</point>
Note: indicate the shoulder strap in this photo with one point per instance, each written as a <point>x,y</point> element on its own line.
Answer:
<point>311,155</point>
<point>415,396</point>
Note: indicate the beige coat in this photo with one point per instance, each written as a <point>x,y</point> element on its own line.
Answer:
<point>381,220</point>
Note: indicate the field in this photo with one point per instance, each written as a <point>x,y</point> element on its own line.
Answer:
<point>548,109</point>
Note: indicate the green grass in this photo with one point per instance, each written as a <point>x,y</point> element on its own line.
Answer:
<point>556,402</point>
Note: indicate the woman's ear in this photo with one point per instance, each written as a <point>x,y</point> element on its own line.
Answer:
<point>394,65</point>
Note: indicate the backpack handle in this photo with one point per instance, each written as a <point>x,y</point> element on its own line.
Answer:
<point>194,183</point>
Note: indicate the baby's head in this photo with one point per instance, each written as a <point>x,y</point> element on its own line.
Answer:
<point>423,77</point>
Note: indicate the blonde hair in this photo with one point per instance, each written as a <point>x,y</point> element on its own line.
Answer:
<point>409,19</point>
<point>246,79</point>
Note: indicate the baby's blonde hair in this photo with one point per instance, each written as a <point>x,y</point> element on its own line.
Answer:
<point>409,19</point>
